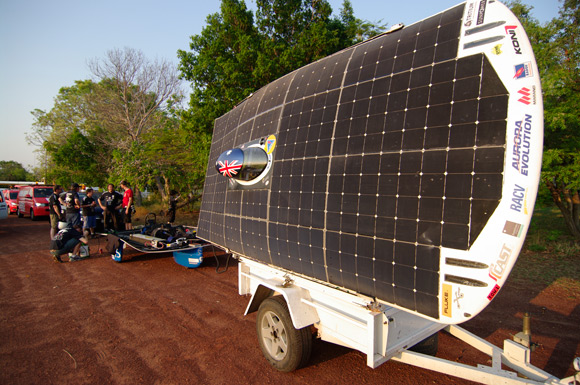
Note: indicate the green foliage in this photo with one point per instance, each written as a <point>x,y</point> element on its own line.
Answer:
<point>556,47</point>
<point>550,253</point>
<point>236,55</point>
<point>75,159</point>
<point>13,171</point>
<point>128,124</point>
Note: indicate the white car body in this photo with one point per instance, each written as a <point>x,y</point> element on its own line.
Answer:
<point>3,208</point>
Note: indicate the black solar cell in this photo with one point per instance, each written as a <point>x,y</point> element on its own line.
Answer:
<point>385,152</point>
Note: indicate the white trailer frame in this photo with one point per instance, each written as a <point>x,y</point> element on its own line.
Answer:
<point>382,332</point>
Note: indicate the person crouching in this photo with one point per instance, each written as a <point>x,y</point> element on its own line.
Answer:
<point>67,240</point>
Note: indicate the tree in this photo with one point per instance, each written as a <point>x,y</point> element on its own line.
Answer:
<point>556,47</point>
<point>221,63</point>
<point>236,55</point>
<point>94,133</point>
<point>139,91</point>
<point>69,137</point>
<point>13,171</point>
<point>233,57</point>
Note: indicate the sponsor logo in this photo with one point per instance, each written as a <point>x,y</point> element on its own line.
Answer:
<point>270,144</point>
<point>446,301</point>
<point>481,12</point>
<point>511,31</point>
<point>523,70</point>
<point>493,292</point>
<point>469,16</point>
<point>512,228</point>
<point>526,93</point>
<point>519,199</point>
<point>497,269</point>
<point>521,147</point>
<point>458,296</point>
<point>496,50</point>
<point>528,96</point>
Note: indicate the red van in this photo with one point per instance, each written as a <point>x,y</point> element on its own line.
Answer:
<point>33,201</point>
<point>11,198</point>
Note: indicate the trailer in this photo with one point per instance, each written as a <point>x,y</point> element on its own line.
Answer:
<point>289,306</point>
<point>383,193</point>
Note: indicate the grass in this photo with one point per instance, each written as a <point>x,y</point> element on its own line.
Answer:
<point>550,255</point>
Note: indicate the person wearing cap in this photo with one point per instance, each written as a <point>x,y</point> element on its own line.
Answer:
<point>72,204</point>
<point>127,204</point>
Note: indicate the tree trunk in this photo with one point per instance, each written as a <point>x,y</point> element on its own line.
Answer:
<point>160,188</point>
<point>569,206</point>
<point>191,197</point>
<point>137,197</point>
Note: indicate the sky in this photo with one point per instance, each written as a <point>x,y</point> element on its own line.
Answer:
<point>46,45</point>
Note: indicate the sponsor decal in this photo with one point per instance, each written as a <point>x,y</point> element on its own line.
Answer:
<point>521,147</point>
<point>469,15</point>
<point>528,95</point>
<point>230,162</point>
<point>493,292</point>
<point>458,296</point>
<point>270,144</point>
<point>229,168</point>
<point>523,70</point>
<point>481,12</point>
<point>512,228</point>
<point>496,50</point>
<point>446,301</point>
<point>511,31</point>
<point>497,269</point>
<point>519,199</point>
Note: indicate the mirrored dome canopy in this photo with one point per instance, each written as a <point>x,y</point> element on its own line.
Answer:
<point>245,165</point>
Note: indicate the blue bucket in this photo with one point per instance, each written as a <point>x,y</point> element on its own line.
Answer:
<point>190,258</point>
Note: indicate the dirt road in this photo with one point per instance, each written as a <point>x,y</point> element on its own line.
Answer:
<point>151,321</point>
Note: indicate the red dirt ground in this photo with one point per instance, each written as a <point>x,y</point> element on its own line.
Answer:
<point>151,321</point>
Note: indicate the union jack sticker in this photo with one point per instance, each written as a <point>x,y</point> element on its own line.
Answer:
<point>230,163</point>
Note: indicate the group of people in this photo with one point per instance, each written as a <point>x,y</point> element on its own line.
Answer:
<point>67,207</point>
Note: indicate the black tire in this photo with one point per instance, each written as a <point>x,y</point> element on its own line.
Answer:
<point>285,347</point>
<point>20,215</point>
<point>32,217</point>
<point>428,346</point>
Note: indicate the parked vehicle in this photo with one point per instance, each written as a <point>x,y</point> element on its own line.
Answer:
<point>11,199</point>
<point>3,207</point>
<point>33,201</point>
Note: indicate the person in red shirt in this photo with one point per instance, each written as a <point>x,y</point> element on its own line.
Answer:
<point>127,204</point>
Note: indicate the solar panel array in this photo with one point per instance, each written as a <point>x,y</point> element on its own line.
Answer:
<point>386,152</point>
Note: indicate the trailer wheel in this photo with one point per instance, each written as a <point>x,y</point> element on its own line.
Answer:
<point>428,346</point>
<point>285,347</point>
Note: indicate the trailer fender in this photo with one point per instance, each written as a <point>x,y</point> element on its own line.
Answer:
<point>301,313</point>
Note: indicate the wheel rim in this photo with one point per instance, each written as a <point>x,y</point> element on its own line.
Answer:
<point>274,336</point>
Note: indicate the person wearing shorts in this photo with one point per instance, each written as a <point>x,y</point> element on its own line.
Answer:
<point>127,204</point>
<point>111,202</point>
<point>88,210</point>
<point>54,210</point>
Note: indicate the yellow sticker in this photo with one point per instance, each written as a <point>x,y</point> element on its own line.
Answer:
<point>496,50</point>
<point>270,144</point>
<point>447,300</point>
